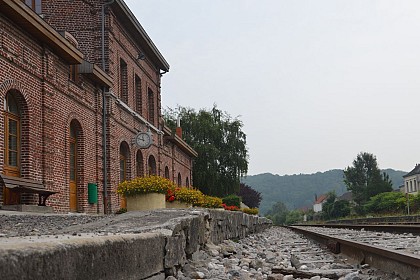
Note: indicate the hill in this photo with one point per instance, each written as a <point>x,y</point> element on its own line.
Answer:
<point>298,191</point>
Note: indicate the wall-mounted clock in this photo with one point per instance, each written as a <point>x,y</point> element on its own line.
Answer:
<point>143,140</point>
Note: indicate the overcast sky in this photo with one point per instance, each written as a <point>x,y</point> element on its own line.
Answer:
<point>315,82</point>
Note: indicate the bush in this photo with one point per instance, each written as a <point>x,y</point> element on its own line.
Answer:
<point>142,185</point>
<point>339,209</point>
<point>249,196</point>
<point>232,200</point>
<point>210,202</point>
<point>188,195</point>
<point>294,217</point>
<point>250,211</point>
<point>385,203</point>
<point>230,207</point>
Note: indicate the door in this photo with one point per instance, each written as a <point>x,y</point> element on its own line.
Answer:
<point>123,177</point>
<point>73,171</point>
<point>11,146</point>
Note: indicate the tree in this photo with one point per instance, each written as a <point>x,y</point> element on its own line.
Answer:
<point>340,208</point>
<point>221,146</point>
<point>293,217</point>
<point>328,205</point>
<point>278,213</point>
<point>364,179</point>
<point>250,197</point>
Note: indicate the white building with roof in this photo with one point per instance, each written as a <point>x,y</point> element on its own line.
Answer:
<point>411,180</point>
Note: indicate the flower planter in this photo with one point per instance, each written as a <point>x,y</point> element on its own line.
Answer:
<point>177,204</point>
<point>147,201</point>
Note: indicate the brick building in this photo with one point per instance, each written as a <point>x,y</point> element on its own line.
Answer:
<point>60,62</point>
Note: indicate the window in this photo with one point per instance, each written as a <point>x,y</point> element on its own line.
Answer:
<point>166,172</point>
<point>123,82</point>
<point>179,179</point>
<point>139,102</point>
<point>123,166</point>
<point>151,103</point>
<point>152,165</point>
<point>124,162</point>
<point>74,73</point>
<point>11,135</point>
<point>187,182</point>
<point>35,5</point>
<point>139,164</point>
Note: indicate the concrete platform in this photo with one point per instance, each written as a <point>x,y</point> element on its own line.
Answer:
<point>135,245</point>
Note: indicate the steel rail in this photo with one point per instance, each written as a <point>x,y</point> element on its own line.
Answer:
<point>391,228</point>
<point>405,264</point>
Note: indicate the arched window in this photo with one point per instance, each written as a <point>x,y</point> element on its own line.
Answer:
<point>12,135</point>
<point>152,165</point>
<point>124,154</point>
<point>139,164</point>
<point>179,179</point>
<point>166,172</point>
<point>187,182</point>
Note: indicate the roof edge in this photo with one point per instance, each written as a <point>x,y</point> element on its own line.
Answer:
<point>38,28</point>
<point>164,64</point>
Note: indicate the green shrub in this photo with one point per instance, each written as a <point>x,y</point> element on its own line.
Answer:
<point>386,203</point>
<point>232,200</point>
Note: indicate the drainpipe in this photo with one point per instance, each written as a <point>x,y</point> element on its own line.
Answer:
<point>104,146</point>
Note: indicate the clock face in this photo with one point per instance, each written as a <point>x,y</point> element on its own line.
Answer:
<point>143,140</point>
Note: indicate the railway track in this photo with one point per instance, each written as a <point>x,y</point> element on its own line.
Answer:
<point>392,228</point>
<point>398,253</point>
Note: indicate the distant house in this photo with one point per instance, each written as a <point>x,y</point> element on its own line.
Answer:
<point>319,201</point>
<point>411,180</point>
<point>348,196</point>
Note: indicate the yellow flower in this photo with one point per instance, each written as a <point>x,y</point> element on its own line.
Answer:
<point>147,184</point>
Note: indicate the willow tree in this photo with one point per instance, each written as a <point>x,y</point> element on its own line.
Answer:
<point>221,146</point>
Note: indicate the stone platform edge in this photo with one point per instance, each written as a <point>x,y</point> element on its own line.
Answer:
<point>150,255</point>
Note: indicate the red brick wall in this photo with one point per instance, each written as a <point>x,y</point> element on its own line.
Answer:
<point>52,103</point>
<point>49,102</point>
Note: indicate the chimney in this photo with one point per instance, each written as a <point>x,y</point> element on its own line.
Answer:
<point>178,129</point>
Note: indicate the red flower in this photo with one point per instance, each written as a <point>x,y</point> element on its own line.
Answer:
<point>171,198</point>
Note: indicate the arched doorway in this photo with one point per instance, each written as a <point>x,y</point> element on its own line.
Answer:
<point>152,166</point>
<point>75,164</point>
<point>124,165</point>
<point>139,164</point>
<point>12,145</point>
